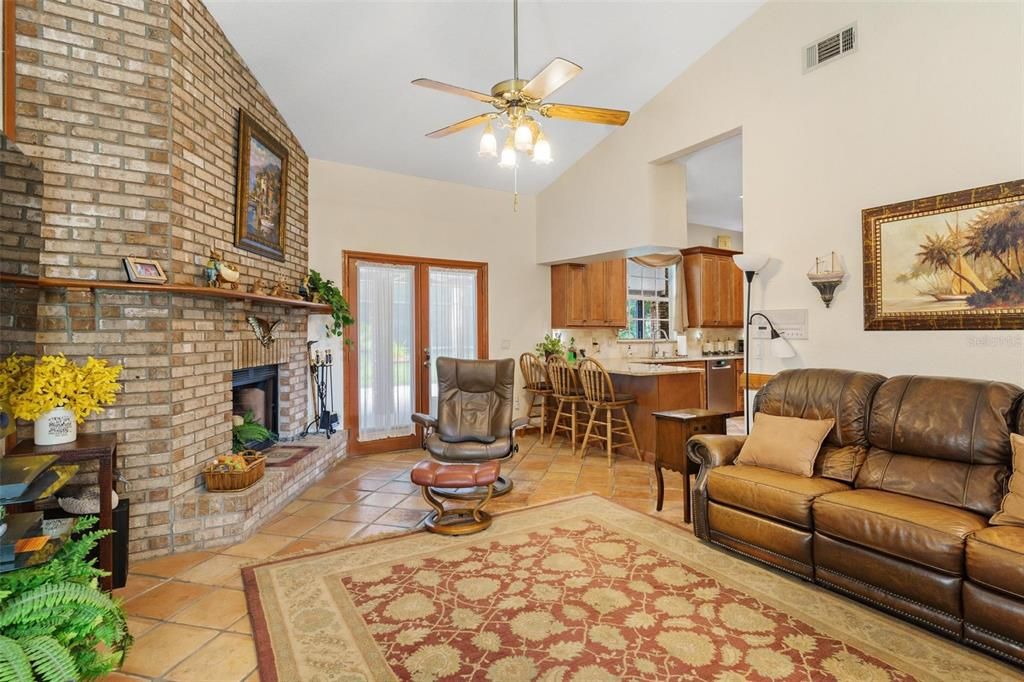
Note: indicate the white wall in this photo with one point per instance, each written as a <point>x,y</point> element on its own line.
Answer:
<point>932,102</point>
<point>359,209</point>
<point>706,235</point>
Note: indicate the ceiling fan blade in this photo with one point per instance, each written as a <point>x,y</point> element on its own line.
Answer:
<point>453,90</point>
<point>553,76</point>
<point>571,112</point>
<point>460,126</point>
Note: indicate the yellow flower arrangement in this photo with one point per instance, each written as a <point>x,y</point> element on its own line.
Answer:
<point>33,388</point>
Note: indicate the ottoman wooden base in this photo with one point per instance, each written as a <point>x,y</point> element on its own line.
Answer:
<point>461,521</point>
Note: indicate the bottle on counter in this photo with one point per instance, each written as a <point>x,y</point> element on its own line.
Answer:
<point>706,348</point>
<point>730,346</point>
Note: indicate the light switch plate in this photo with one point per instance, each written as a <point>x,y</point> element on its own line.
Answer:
<point>791,324</point>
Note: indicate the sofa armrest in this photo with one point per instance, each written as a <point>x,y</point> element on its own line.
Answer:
<point>711,452</point>
<point>714,450</point>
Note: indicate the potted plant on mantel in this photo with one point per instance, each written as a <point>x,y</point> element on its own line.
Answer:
<point>320,290</point>
<point>56,393</point>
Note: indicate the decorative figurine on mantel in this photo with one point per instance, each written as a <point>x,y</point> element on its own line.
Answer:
<point>258,287</point>
<point>220,274</point>
<point>278,289</point>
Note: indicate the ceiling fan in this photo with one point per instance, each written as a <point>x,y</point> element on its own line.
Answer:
<point>515,101</point>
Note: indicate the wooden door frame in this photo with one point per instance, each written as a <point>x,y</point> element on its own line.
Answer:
<point>421,295</point>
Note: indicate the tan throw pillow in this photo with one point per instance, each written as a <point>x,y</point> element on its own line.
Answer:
<point>787,444</point>
<point>1011,513</point>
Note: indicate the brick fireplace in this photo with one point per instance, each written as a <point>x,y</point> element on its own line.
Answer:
<point>129,108</point>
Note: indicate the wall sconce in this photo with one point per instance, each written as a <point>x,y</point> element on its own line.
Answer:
<point>826,275</point>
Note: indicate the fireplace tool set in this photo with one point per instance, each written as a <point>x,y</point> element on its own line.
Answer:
<point>322,390</point>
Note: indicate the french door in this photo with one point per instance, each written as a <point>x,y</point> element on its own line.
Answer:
<point>408,311</point>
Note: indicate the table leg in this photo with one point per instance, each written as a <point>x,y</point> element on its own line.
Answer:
<point>106,521</point>
<point>661,486</point>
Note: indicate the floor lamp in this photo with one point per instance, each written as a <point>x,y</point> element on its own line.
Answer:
<point>750,264</point>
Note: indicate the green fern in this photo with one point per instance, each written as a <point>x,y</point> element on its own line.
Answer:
<point>14,662</point>
<point>50,660</point>
<point>54,622</point>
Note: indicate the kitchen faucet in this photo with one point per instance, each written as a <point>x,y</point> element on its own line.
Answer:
<point>654,341</point>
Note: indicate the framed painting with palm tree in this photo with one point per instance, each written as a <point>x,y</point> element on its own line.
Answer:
<point>953,261</point>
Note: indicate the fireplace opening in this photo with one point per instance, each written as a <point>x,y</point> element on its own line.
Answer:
<point>255,390</point>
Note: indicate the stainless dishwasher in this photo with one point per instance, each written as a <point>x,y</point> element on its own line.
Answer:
<point>721,378</point>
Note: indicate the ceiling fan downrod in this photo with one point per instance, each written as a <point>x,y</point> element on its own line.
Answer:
<point>515,39</point>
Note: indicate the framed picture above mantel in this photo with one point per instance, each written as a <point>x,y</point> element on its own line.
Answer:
<point>261,195</point>
<point>952,261</point>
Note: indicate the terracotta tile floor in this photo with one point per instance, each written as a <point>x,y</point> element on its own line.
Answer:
<point>188,613</point>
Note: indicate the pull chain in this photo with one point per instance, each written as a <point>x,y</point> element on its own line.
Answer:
<point>515,189</point>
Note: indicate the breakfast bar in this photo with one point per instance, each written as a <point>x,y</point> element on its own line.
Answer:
<point>657,387</point>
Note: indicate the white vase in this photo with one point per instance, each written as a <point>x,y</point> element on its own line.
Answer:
<point>56,426</point>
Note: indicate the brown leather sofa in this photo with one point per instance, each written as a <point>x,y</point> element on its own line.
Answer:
<point>897,512</point>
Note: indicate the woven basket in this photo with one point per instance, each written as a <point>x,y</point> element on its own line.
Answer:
<point>224,481</point>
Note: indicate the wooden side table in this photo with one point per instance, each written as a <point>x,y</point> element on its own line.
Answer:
<point>674,428</point>
<point>103,448</point>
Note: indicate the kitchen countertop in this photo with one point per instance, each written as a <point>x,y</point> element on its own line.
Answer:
<point>685,358</point>
<point>649,368</point>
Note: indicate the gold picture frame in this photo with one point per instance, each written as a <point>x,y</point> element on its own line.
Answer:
<point>261,190</point>
<point>144,270</point>
<point>951,261</point>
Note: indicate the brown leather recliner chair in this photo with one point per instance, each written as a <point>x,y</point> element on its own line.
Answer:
<point>909,533</point>
<point>474,417</point>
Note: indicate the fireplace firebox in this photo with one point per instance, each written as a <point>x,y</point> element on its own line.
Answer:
<point>255,390</point>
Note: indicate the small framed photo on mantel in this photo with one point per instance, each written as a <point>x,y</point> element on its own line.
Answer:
<point>261,190</point>
<point>144,270</point>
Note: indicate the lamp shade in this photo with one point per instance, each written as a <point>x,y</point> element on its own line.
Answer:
<point>751,262</point>
<point>781,348</point>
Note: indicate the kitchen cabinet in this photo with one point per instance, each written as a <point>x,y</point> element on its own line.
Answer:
<point>590,295</point>
<point>714,288</point>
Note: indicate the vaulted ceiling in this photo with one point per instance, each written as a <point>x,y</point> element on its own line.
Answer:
<point>340,71</point>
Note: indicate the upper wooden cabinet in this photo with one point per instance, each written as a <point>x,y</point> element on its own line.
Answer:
<point>714,288</point>
<point>591,295</point>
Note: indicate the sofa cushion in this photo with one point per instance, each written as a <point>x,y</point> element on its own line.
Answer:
<point>837,394</point>
<point>1011,512</point>
<point>787,444</point>
<point>924,532</point>
<point>995,558</point>
<point>775,494</point>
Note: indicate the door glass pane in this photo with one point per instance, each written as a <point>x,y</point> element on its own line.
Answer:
<point>386,328</point>
<point>452,319</point>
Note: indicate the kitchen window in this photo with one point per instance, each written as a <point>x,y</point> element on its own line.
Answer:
<point>650,302</point>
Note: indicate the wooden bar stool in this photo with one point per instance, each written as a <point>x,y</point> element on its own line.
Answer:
<point>566,391</point>
<point>536,378</point>
<point>601,398</point>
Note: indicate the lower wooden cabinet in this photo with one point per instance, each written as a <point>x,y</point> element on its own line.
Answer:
<point>590,295</point>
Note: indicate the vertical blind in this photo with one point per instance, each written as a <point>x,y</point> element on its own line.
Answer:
<point>452,319</point>
<point>386,357</point>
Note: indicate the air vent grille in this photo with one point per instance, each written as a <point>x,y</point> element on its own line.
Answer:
<point>838,44</point>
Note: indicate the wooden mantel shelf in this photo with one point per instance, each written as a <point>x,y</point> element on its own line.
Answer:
<point>211,292</point>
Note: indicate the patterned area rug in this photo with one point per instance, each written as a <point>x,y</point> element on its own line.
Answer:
<point>580,590</point>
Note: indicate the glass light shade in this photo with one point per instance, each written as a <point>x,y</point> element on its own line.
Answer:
<point>542,151</point>
<point>781,348</point>
<point>508,154</point>
<point>488,143</point>
<point>751,262</point>
<point>524,137</point>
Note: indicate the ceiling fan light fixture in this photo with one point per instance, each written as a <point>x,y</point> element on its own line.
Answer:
<point>523,136</point>
<point>542,151</point>
<point>488,143</point>
<point>508,154</point>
